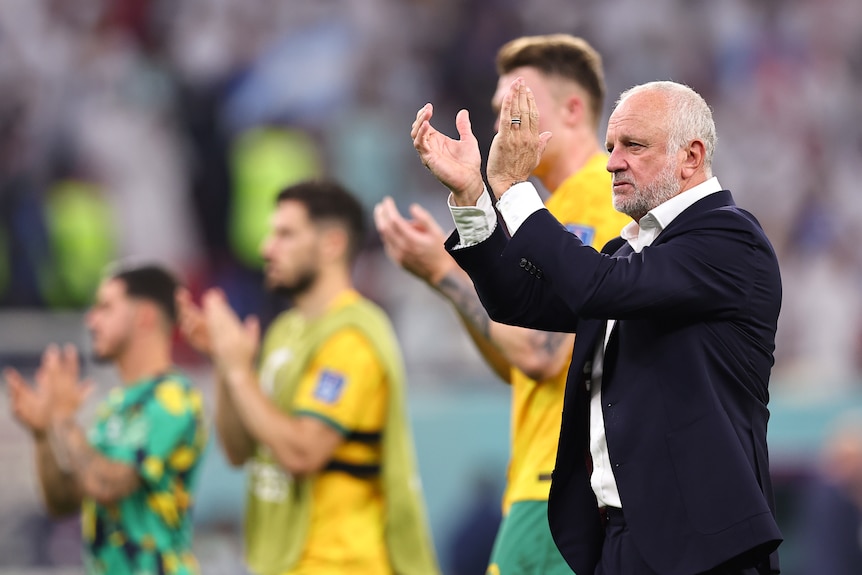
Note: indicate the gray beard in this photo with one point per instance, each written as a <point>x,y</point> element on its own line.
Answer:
<point>645,198</point>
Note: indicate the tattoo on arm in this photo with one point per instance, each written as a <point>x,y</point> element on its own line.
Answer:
<point>61,492</point>
<point>548,342</point>
<point>99,477</point>
<point>466,301</point>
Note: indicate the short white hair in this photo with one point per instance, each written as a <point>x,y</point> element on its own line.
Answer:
<point>691,117</point>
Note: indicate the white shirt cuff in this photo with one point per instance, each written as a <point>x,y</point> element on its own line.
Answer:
<point>518,203</point>
<point>475,224</point>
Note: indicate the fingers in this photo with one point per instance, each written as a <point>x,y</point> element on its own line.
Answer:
<point>390,223</point>
<point>525,109</point>
<point>213,298</point>
<point>69,361</point>
<point>519,110</point>
<point>421,137</point>
<point>15,382</point>
<point>423,220</point>
<point>49,366</point>
<point>252,327</point>
<point>423,115</point>
<point>189,314</point>
<point>220,318</point>
<point>506,108</point>
<point>405,234</point>
<point>393,244</point>
<point>384,212</point>
<point>518,102</point>
<point>185,304</point>
<point>462,123</point>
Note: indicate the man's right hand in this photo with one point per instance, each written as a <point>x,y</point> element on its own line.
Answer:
<point>31,406</point>
<point>192,322</point>
<point>417,244</point>
<point>456,163</point>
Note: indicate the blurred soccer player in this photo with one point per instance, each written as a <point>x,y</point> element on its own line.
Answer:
<point>566,76</point>
<point>132,475</point>
<point>321,424</point>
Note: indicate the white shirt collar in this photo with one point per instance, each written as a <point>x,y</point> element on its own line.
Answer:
<point>642,233</point>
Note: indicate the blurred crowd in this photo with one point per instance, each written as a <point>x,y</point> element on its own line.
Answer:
<point>162,129</point>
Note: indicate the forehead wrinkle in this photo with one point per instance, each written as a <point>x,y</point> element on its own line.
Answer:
<point>641,122</point>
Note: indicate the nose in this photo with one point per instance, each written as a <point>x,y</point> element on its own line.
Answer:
<point>615,161</point>
<point>89,319</point>
<point>265,246</point>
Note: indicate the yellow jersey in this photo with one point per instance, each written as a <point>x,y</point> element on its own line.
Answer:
<point>343,383</point>
<point>583,204</point>
<point>347,513</point>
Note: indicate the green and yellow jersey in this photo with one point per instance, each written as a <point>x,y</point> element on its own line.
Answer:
<point>583,204</point>
<point>156,426</point>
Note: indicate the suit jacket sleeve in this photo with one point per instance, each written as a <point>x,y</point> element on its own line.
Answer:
<point>500,280</point>
<point>703,266</point>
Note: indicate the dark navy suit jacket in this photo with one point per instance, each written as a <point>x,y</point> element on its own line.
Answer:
<point>685,382</point>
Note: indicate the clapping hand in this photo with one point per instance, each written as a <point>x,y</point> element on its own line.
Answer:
<point>192,322</point>
<point>416,244</point>
<point>233,343</point>
<point>56,393</point>
<point>518,146</point>
<point>30,404</point>
<point>456,163</point>
<point>59,373</point>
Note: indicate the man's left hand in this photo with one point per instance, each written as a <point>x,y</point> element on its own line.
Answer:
<point>59,374</point>
<point>518,145</point>
<point>233,343</point>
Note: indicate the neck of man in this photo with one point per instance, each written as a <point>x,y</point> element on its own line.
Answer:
<point>149,356</point>
<point>330,283</point>
<point>573,154</point>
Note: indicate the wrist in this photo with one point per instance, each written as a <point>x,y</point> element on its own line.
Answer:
<point>63,417</point>
<point>470,194</point>
<point>239,376</point>
<point>438,276</point>
<point>500,186</point>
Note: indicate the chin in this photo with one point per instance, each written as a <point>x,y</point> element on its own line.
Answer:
<point>101,355</point>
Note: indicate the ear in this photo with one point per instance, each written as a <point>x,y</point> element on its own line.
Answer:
<point>574,110</point>
<point>693,160</point>
<point>333,243</point>
<point>149,316</point>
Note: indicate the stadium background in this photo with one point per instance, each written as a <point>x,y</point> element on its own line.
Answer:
<point>160,129</point>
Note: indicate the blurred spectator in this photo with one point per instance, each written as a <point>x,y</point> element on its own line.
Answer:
<point>473,536</point>
<point>831,517</point>
<point>82,240</point>
<point>150,98</point>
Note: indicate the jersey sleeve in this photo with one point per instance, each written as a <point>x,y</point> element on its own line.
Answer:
<point>167,431</point>
<point>342,380</point>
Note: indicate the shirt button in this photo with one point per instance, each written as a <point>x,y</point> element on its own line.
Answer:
<point>523,262</point>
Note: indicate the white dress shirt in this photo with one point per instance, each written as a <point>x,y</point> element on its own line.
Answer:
<point>476,224</point>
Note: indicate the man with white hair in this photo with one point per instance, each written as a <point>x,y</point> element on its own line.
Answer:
<point>662,464</point>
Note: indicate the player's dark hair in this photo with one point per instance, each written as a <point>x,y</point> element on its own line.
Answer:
<point>329,201</point>
<point>152,283</point>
